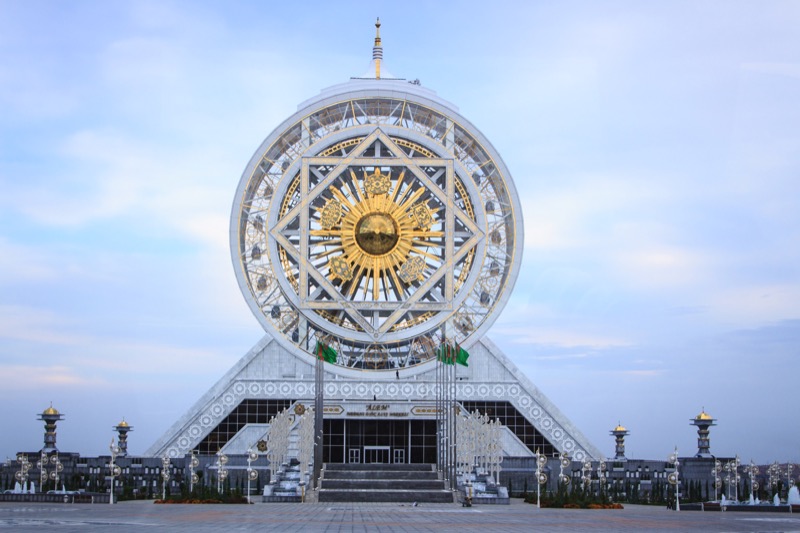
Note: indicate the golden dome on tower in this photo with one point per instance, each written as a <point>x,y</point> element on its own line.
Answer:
<point>703,416</point>
<point>51,410</point>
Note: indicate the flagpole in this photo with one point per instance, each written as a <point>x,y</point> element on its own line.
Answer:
<point>440,428</point>
<point>454,482</point>
<point>451,410</point>
<point>318,407</point>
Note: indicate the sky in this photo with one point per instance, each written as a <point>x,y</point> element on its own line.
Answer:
<point>655,147</point>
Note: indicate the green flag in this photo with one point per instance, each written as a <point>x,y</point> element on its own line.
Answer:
<point>446,354</point>
<point>325,352</point>
<point>461,355</point>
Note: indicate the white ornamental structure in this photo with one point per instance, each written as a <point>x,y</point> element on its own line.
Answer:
<point>278,443</point>
<point>376,229</point>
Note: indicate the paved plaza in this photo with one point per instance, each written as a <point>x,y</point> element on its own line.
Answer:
<point>440,518</point>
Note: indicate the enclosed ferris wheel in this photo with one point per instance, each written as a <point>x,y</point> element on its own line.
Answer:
<point>376,225</point>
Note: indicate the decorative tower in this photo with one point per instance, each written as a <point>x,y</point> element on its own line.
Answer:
<point>123,428</point>
<point>619,434</point>
<point>50,417</point>
<point>703,421</point>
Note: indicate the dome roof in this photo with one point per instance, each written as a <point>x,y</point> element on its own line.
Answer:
<point>123,424</point>
<point>620,428</point>
<point>50,410</point>
<point>703,416</point>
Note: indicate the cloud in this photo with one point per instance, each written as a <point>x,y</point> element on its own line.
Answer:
<point>757,304</point>
<point>562,338</point>
<point>643,373</point>
<point>26,377</point>
<point>25,323</point>
<point>662,267</point>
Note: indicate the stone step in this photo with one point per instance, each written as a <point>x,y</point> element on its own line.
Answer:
<point>404,483</point>
<point>379,474</point>
<point>382,484</point>
<point>415,467</point>
<point>401,496</point>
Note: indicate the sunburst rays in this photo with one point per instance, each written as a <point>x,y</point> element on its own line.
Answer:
<point>400,207</point>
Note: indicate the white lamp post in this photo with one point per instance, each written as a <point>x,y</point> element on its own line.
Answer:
<point>601,477</point>
<point>252,474</point>
<point>114,470</point>
<point>42,464</point>
<point>752,471</point>
<point>56,472</point>
<point>717,483</point>
<point>774,472</point>
<point>164,476</point>
<point>541,477</point>
<point>564,462</point>
<point>587,474</point>
<point>674,478</point>
<point>194,462</point>
<point>222,472</point>
<point>22,474</point>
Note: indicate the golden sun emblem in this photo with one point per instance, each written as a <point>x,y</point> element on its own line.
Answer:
<point>381,236</point>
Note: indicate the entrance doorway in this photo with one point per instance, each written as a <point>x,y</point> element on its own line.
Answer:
<point>355,455</point>
<point>388,441</point>
<point>377,454</point>
<point>399,456</point>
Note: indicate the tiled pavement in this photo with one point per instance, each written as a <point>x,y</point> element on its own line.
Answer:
<point>440,518</point>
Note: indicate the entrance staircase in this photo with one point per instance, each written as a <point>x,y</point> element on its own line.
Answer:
<point>357,482</point>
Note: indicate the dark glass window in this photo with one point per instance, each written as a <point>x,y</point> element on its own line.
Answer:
<point>516,422</point>
<point>248,412</point>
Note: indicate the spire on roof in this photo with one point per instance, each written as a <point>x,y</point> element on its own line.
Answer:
<point>377,49</point>
<point>377,71</point>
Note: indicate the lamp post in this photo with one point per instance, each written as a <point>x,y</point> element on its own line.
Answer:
<point>42,464</point>
<point>164,476</point>
<point>732,476</point>
<point>752,471</point>
<point>21,475</point>
<point>222,472</point>
<point>674,478</point>
<point>541,477</point>
<point>56,472</point>
<point>114,470</point>
<point>774,472</point>
<point>717,470</point>
<point>194,462</point>
<point>601,477</point>
<point>564,462</point>
<point>587,474</point>
<point>252,474</point>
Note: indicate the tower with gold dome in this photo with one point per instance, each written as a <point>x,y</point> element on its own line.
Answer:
<point>122,429</point>
<point>703,421</point>
<point>50,417</point>
<point>619,433</point>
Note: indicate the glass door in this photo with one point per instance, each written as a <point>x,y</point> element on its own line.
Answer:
<point>399,456</point>
<point>377,454</point>
<point>355,455</point>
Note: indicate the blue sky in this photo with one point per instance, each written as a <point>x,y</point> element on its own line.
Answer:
<point>654,146</point>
